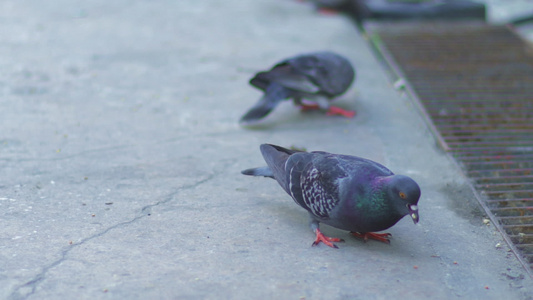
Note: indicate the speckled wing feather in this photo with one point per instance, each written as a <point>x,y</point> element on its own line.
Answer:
<point>313,180</point>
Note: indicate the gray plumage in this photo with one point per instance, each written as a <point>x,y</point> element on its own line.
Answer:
<point>333,4</point>
<point>346,192</point>
<point>318,76</point>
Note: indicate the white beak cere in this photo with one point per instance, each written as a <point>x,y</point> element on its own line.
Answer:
<point>413,210</point>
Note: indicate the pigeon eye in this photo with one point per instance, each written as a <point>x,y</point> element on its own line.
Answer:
<point>402,195</point>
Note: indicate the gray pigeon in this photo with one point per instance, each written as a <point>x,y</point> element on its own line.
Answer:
<point>343,191</point>
<point>317,77</point>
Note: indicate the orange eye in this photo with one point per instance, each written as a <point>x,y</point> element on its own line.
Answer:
<point>402,195</point>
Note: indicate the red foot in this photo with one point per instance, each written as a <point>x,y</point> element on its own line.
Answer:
<point>341,112</point>
<point>320,237</point>
<point>332,111</point>
<point>327,11</point>
<point>382,237</point>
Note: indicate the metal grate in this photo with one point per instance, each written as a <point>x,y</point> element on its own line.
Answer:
<point>474,83</point>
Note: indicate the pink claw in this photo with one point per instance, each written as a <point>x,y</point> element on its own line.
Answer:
<point>320,237</point>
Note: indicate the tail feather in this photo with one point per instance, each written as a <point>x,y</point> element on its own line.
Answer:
<point>274,94</point>
<point>261,171</point>
<point>276,157</point>
<point>266,149</point>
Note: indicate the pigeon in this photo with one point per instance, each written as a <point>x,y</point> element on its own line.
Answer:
<point>317,77</point>
<point>331,6</point>
<point>347,192</point>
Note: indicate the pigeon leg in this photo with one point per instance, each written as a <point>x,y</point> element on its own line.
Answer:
<point>382,237</point>
<point>320,237</point>
<point>305,105</point>
<point>308,107</point>
<point>313,103</point>
<point>323,103</point>
<point>333,110</point>
<point>327,11</point>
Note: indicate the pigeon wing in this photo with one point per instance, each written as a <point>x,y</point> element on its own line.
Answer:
<point>330,72</point>
<point>313,182</point>
<point>287,76</point>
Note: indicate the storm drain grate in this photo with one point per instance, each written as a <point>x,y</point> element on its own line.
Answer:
<point>474,83</point>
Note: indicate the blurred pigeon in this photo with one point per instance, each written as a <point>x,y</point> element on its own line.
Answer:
<point>317,77</point>
<point>343,191</point>
<point>328,7</point>
<point>331,6</point>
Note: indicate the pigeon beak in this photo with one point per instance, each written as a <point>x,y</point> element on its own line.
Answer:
<point>413,212</point>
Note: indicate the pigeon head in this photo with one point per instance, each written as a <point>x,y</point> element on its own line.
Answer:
<point>404,193</point>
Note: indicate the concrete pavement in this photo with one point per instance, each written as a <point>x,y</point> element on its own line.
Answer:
<point>121,156</point>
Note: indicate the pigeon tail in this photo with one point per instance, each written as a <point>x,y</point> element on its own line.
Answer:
<point>274,150</point>
<point>261,171</point>
<point>276,157</point>
<point>274,94</point>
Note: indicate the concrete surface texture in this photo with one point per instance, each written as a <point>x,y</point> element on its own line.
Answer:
<point>121,157</point>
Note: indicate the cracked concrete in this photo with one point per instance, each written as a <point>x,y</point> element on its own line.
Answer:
<point>28,288</point>
<point>121,156</point>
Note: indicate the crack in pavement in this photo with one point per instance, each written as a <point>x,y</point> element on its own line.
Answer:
<point>36,280</point>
